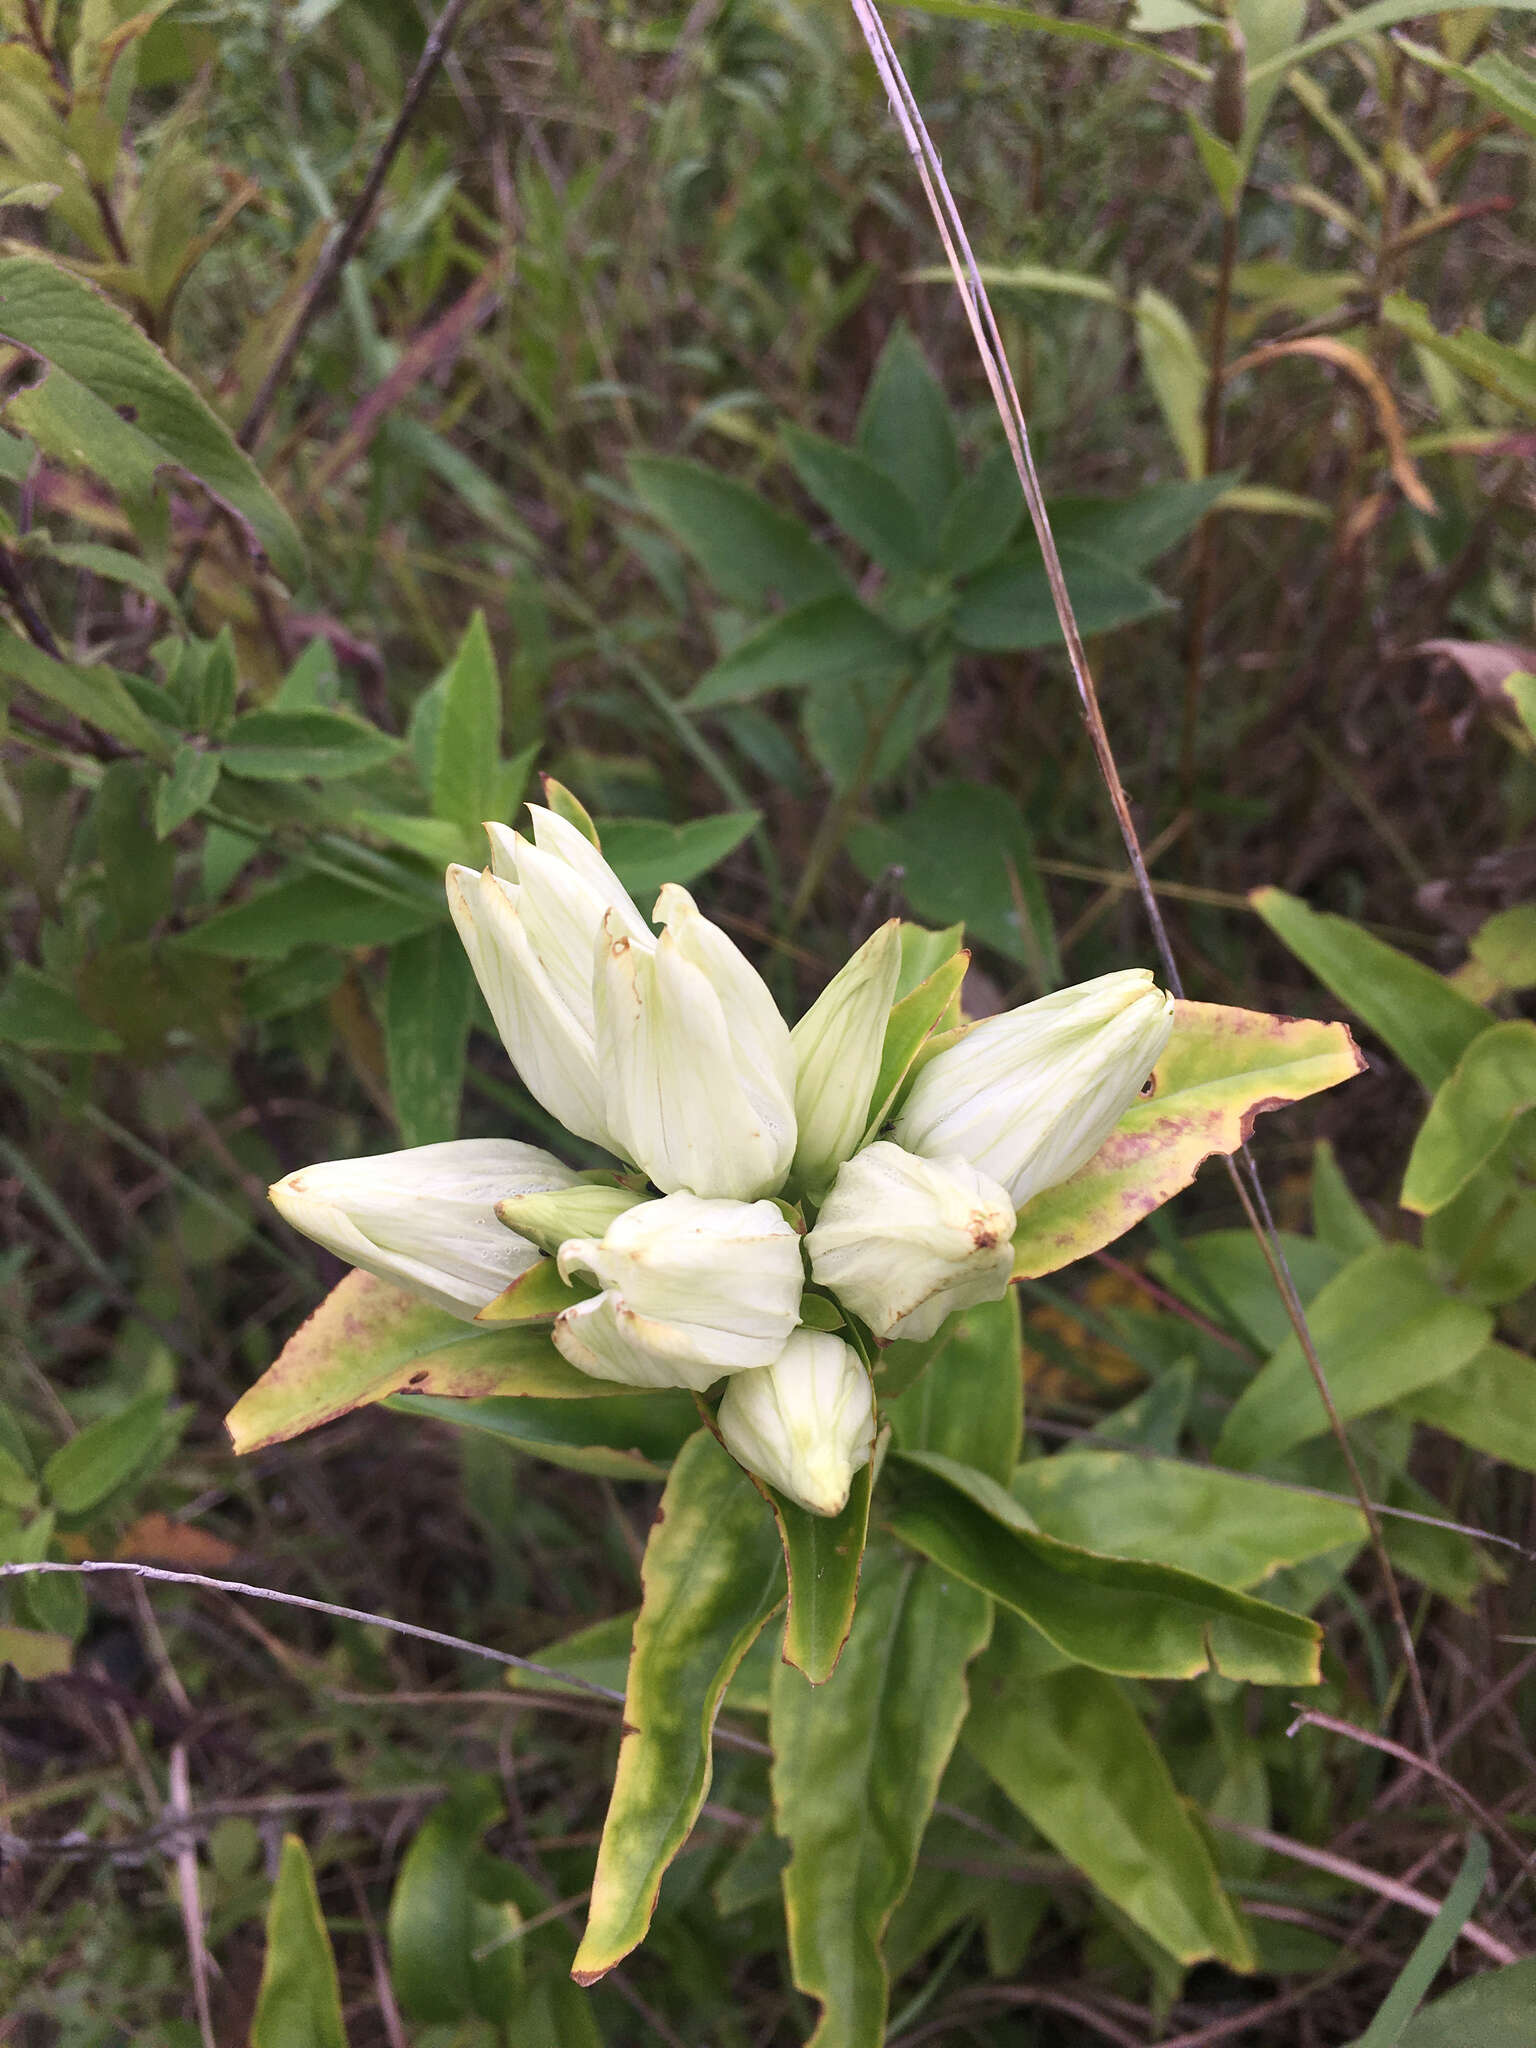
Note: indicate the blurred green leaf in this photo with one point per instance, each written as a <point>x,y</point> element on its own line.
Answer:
<point>113,564</point>
<point>856,1769</point>
<point>1482,1245</point>
<point>308,910</point>
<point>1009,607</point>
<point>93,694</point>
<point>1430,1952</point>
<point>294,746</point>
<point>868,506</point>
<point>1077,1760</point>
<point>1489,1403</point>
<point>40,1016</point>
<point>1382,1328</point>
<point>752,554</point>
<point>645,853</point>
<point>33,1654</point>
<point>1176,370</point>
<point>600,1653</point>
<point>1490,2011</point>
<point>427,1011</point>
<point>966,855</point>
<point>1337,1217</point>
<point>932,1005</point>
<point>1120,1615</point>
<point>83,1472</point>
<point>605,1434</point>
<point>184,788</point>
<point>432,1907</point>
<point>137,869</point>
<point>710,1578</point>
<point>905,426</point>
<point>1222,1526</point>
<point>466,767</point>
<point>1506,946</point>
<point>299,2003</point>
<point>1225,1274</point>
<point>1509,373</point>
<point>983,515</point>
<point>1416,1012</point>
<point>109,401</point>
<point>1474,1110</point>
<point>1135,532</point>
<point>833,639</point>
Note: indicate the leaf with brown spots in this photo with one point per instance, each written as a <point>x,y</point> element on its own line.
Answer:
<point>1222,1068</point>
<point>368,1340</point>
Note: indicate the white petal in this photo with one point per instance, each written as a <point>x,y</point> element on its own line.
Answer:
<point>558,838</point>
<point>806,1423</point>
<point>604,1338</point>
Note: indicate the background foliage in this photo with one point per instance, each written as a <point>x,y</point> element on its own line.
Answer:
<point>638,444</point>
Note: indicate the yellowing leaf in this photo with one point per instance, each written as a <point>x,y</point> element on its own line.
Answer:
<point>1221,1069</point>
<point>368,1340</point>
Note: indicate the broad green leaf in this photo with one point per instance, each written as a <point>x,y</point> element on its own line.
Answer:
<point>1383,1328</point>
<point>309,910</point>
<point>299,2003</point>
<point>1337,1217</point>
<point>856,1769</point>
<point>1009,608</point>
<point>1473,1112</point>
<point>1134,532</point>
<point>40,1016</point>
<point>1120,1615</point>
<point>426,1033</point>
<point>832,639</point>
<point>905,426</point>
<point>967,856</point>
<point>1482,1245</point>
<point>923,953</point>
<point>1414,1011</point>
<point>534,1296</point>
<point>1076,1759</point>
<point>1221,1069</point>
<point>607,1434</point>
<point>368,1340</point>
<point>1489,1403</point>
<point>109,401</point>
<point>983,515</point>
<point>710,1578</point>
<point>1176,370</point>
<point>467,761</point>
<point>1509,373</point>
<point>1223,1526</point>
<point>867,504</point>
<point>292,746</point>
<point>433,840</point>
<point>82,1473</point>
<point>93,694</point>
<point>645,853</point>
<point>1490,2011</point>
<point>185,787</point>
<point>1505,947</point>
<point>113,564</point>
<point>752,554</point>
<point>912,1020</point>
<point>432,1909</point>
<point>599,1653</point>
<point>969,1404</point>
<point>822,1555</point>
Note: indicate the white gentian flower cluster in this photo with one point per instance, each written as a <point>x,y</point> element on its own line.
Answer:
<point>668,1052</point>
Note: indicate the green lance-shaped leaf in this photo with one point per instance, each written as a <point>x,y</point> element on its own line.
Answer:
<point>312,744</point>
<point>1426,1023</point>
<point>616,1434</point>
<point>466,770</point>
<point>913,1020</point>
<point>710,1579</point>
<point>1492,1084</point>
<point>856,1769</point>
<point>870,508</point>
<point>93,1464</point>
<point>1076,1759</point>
<point>645,853</point>
<point>833,639</point>
<point>426,1033</point>
<point>40,1016</point>
<point>823,1555</point>
<point>368,1340</point>
<point>107,400</point>
<point>752,554</point>
<point>1383,1328</point>
<point>299,2003</point>
<point>1489,1403</point>
<point>1130,1618</point>
<point>1225,1526</point>
<point>1220,1070</point>
<point>439,1917</point>
<point>92,693</point>
<point>311,910</point>
<point>970,1407</point>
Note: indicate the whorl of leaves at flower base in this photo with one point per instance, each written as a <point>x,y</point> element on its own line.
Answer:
<point>668,1051</point>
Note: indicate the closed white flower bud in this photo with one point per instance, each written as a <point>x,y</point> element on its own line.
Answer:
<point>691,1289</point>
<point>548,1041</point>
<point>806,1423</point>
<point>581,1211</point>
<point>1030,1096</point>
<point>903,1241</point>
<point>837,1046</point>
<point>696,1065</point>
<point>426,1218</point>
<point>564,891</point>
